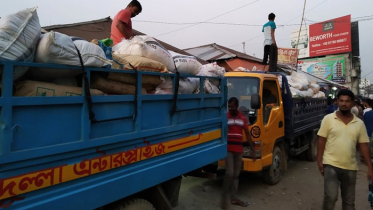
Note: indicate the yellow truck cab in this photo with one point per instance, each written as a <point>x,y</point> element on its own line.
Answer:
<point>280,126</point>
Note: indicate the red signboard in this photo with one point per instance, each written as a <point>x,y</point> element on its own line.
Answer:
<point>330,37</point>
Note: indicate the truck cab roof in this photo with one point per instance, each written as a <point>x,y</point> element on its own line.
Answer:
<point>258,74</point>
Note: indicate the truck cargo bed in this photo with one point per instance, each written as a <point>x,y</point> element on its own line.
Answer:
<point>301,114</point>
<point>307,114</point>
<point>53,156</point>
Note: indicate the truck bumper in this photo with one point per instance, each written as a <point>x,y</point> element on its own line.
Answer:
<point>252,166</point>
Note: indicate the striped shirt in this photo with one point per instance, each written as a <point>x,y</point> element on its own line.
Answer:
<point>236,124</point>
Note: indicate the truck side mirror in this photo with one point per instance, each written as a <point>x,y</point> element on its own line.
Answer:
<point>255,101</point>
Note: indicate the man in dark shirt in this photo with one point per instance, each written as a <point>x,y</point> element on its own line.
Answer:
<point>368,121</point>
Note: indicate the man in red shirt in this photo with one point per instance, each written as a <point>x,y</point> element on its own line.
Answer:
<point>121,27</point>
<point>237,123</point>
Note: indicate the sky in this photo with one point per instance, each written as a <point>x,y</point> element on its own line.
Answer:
<point>249,12</point>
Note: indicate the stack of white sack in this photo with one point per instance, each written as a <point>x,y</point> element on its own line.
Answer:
<point>19,34</point>
<point>186,85</point>
<point>147,47</point>
<point>186,64</point>
<point>301,87</point>
<point>191,85</point>
<point>55,47</point>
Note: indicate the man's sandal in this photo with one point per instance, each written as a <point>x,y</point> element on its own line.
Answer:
<point>239,203</point>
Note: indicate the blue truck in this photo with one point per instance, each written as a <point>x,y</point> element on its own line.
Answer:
<point>104,152</point>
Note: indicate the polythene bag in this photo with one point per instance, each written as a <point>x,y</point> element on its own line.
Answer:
<point>19,34</point>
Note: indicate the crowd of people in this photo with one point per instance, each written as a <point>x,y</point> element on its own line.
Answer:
<point>347,125</point>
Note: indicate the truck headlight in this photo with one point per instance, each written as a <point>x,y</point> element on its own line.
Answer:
<point>258,150</point>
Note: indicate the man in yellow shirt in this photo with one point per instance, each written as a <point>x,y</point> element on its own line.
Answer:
<point>339,134</point>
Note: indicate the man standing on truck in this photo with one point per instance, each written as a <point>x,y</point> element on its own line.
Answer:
<point>339,134</point>
<point>121,27</point>
<point>237,123</point>
<point>270,46</point>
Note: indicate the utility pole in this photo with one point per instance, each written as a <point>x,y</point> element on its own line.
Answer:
<point>244,48</point>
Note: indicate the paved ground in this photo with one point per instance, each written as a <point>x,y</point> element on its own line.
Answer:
<point>301,188</point>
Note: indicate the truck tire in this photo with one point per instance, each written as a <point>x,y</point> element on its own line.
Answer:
<point>274,174</point>
<point>311,153</point>
<point>135,204</point>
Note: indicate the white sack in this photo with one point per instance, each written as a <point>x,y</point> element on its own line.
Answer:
<point>301,94</point>
<point>242,69</point>
<point>186,64</point>
<point>298,86</point>
<point>320,94</point>
<point>147,47</point>
<point>19,34</point>
<point>212,70</point>
<point>300,78</point>
<point>188,85</point>
<point>55,47</point>
<point>209,88</point>
<point>315,88</point>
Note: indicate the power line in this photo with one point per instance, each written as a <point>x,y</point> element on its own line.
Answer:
<point>215,23</point>
<point>244,24</point>
<point>208,19</point>
<point>307,11</point>
<point>284,23</point>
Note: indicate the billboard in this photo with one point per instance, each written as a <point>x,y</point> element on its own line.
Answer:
<point>303,44</point>
<point>325,38</point>
<point>287,56</point>
<point>331,68</point>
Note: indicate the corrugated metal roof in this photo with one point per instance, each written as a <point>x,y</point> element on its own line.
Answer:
<point>215,52</point>
<point>54,27</point>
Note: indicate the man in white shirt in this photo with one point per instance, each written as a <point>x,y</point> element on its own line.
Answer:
<point>367,107</point>
<point>270,46</point>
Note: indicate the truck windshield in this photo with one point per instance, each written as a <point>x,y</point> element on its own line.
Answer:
<point>242,88</point>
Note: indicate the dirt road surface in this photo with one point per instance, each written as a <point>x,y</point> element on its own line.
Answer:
<point>301,188</point>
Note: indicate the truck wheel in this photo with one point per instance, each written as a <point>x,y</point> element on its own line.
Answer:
<point>274,174</point>
<point>312,150</point>
<point>135,204</point>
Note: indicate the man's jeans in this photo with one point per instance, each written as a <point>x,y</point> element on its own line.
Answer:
<point>233,164</point>
<point>333,178</point>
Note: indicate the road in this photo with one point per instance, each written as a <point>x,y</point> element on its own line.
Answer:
<point>301,188</point>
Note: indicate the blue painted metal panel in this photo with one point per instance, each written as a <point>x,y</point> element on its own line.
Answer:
<point>38,133</point>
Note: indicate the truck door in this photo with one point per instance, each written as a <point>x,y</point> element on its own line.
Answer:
<point>273,118</point>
